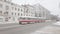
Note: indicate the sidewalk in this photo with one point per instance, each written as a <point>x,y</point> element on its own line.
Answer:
<point>8,24</point>
<point>48,30</point>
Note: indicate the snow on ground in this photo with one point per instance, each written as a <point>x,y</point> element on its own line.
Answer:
<point>48,30</point>
<point>7,22</point>
<point>57,23</point>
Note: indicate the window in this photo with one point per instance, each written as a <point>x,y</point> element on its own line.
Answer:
<point>18,14</point>
<point>12,3</point>
<point>21,14</point>
<point>6,13</point>
<point>18,9</point>
<point>1,5</point>
<point>1,19</point>
<point>0,11</point>
<point>6,19</point>
<point>9,17</point>
<point>15,8</point>
<point>7,7</point>
<point>21,9</point>
<point>27,11</point>
<point>15,13</point>
<point>12,13</point>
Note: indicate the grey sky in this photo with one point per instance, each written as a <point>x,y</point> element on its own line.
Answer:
<point>52,5</point>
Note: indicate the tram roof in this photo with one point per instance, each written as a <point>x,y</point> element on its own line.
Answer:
<point>32,17</point>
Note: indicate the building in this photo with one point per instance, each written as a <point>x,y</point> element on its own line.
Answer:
<point>40,11</point>
<point>11,13</point>
<point>29,10</point>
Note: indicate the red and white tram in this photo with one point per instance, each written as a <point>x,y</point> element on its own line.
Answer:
<point>28,20</point>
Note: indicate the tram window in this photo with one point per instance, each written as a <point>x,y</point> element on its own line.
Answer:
<point>29,18</point>
<point>23,18</point>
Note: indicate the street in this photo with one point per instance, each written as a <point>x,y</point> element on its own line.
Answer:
<point>29,16</point>
<point>23,29</point>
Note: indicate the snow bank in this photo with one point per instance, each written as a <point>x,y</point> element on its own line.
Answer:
<point>57,23</point>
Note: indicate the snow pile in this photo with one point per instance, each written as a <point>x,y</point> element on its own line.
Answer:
<point>57,23</point>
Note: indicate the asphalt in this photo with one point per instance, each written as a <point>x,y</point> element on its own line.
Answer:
<point>11,24</point>
<point>48,30</point>
<point>22,29</point>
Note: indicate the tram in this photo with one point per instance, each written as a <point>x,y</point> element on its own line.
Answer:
<point>30,20</point>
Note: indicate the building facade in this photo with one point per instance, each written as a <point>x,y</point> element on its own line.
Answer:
<point>12,12</point>
<point>40,11</point>
<point>9,11</point>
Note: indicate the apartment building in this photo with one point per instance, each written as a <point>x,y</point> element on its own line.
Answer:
<point>11,12</point>
<point>41,11</point>
<point>29,10</point>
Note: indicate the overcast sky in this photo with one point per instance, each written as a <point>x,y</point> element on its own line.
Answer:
<point>52,5</point>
